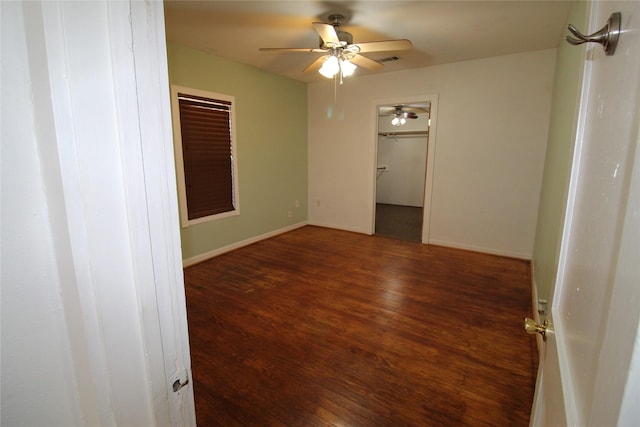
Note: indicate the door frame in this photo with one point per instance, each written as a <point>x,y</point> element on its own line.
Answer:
<point>122,264</point>
<point>161,204</point>
<point>431,151</point>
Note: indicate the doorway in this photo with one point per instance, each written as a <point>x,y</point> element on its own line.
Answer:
<point>401,169</point>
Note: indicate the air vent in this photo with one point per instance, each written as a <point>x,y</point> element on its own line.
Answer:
<point>389,59</point>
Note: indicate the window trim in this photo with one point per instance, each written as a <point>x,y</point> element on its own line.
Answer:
<point>177,141</point>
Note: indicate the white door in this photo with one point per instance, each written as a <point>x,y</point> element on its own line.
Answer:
<point>589,367</point>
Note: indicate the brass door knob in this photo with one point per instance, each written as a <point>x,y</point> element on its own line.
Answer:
<point>531,327</point>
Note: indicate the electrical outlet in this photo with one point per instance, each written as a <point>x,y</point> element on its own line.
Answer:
<point>290,214</point>
<point>297,203</point>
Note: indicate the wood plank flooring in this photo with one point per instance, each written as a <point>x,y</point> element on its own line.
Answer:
<point>321,327</point>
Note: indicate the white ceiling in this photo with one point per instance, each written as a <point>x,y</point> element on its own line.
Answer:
<point>441,31</point>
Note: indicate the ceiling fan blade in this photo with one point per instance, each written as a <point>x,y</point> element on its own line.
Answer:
<point>416,109</point>
<point>327,33</point>
<point>315,65</point>
<point>384,45</point>
<point>407,111</point>
<point>294,49</point>
<point>365,62</point>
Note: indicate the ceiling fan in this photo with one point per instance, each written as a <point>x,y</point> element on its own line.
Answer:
<point>342,56</point>
<point>400,113</point>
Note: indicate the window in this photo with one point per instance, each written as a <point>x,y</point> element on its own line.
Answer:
<point>206,161</point>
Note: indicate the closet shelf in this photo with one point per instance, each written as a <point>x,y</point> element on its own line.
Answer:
<point>408,133</point>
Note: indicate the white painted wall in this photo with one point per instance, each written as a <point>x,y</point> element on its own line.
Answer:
<point>492,123</point>
<point>36,357</point>
<point>402,181</point>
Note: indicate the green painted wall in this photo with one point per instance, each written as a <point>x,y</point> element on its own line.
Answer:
<point>271,126</point>
<point>560,145</point>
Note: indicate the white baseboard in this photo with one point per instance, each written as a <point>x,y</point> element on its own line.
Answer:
<point>216,252</point>
<point>508,254</point>
<point>340,227</point>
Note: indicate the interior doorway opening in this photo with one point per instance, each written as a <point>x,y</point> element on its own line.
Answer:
<point>401,170</point>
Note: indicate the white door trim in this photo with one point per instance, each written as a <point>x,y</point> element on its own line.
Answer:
<point>158,164</point>
<point>99,72</point>
<point>431,151</point>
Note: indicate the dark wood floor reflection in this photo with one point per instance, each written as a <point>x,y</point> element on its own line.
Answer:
<point>321,327</point>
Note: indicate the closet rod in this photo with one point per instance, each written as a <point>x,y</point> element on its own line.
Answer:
<point>403,134</point>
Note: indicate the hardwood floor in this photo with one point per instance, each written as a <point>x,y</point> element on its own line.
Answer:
<point>321,327</point>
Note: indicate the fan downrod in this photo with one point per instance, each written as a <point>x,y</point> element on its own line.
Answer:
<point>336,20</point>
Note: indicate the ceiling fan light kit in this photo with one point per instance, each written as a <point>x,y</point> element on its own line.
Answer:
<point>397,121</point>
<point>347,67</point>
<point>341,56</point>
<point>330,67</point>
<point>400,113</point>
